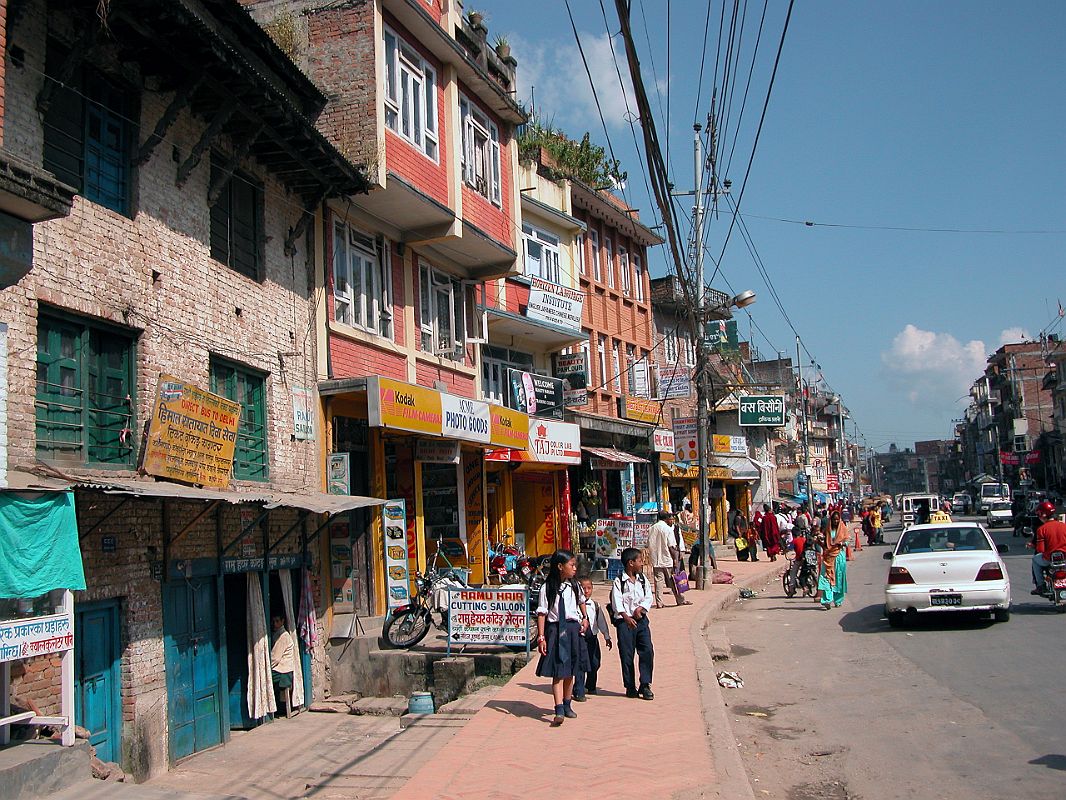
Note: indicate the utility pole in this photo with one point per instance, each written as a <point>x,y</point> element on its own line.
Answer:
<point>806,445</point>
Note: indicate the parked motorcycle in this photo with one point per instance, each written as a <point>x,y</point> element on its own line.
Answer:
<point>509,563</point>
<point>408,625</point>
<point>1055,580</point>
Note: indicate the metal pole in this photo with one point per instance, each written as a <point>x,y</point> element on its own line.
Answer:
<point>806,445</point>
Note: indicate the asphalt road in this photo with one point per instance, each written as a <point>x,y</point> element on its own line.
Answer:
<point>838,705</point>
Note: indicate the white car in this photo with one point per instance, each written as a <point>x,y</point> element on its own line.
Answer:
<point>946,567</point>
<point>999,513</point>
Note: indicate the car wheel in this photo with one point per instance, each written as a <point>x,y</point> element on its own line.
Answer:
<point>1061,608</point>
<point>1001,614</point>
<point>896,619</point>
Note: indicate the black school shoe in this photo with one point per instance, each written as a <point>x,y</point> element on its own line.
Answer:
<point>632,693</point>
<point>646,693</point>
<point>580,698</point>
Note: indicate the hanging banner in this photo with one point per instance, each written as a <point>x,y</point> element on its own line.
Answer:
<point>536,395</point>
<point>397,581</point>
<point>465,419</point>
<point>573,370</point>
<point>832,482</point>
<point>763,410</point>
<point>686,446</point>
<point>640,410</point>
<point>557,305</point>
<point>191,435</point>
<point>673,382</point>
<point>303,413</point>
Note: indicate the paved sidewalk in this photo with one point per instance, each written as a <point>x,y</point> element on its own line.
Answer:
<point>509,750</point>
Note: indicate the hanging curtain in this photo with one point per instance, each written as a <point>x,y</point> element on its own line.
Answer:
<point>285,576</point>
<point>307,622</point>
<point>260,687</point>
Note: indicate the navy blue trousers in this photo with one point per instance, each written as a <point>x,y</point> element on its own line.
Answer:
<point>635,641</point>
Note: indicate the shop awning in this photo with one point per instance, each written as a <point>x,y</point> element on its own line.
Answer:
<point>315,502</point>
<point>610,454</point>
<point>741,466</point>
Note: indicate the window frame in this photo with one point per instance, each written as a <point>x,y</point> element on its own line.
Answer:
<point>638,276</point>
<point>608,249</point>
<point>549,245</point>
<point>434,284</point>
<point>597,269</point>
<point>372,310</point>
<point>91,375</point>
<point>616,362</point>
<point>480,140</point>
<point>410,95</point>
<point>223,212</point>
<point>601,349</point>
<point>579,254</point>
<point>626,281</point>
<point>255,415</point>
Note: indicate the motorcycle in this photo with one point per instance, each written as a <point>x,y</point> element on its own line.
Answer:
<point>1055,581</point>
<point>408,625</point>
<point>806,575</point>
<point>509,563</point>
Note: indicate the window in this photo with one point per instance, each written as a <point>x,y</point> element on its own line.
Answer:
<point>616,362</point>
<point>495,364</point>
<point>247,387</point>
<point>443,314</point>
<point>631,372</point>
<point>361,281</point>
<point>602,353</point>
<point>670,350</point>
<point>85,387</point>
<point>481,151</point>
<point>237,223</point>
<point>608,253</point>
<point>410,95</point>
<point>542,254</point>
<point>690,352</point>
<point>638,269</point>
<point>623,265</point>
<point>594,239</point>
<point>88,135</point>
<point>579,254</point>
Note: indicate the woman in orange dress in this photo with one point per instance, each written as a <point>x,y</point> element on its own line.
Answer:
<point>833,580</point>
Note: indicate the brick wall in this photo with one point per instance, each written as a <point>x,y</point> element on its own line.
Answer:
<point>456,382</point>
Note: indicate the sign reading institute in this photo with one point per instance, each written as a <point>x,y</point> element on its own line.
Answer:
<point>192,435</point>
<point>762,410</point>
<point>558,305</point>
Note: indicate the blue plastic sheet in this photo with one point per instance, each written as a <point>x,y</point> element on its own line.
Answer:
<point>39,548</point>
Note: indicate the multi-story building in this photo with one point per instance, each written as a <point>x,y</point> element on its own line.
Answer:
<point>1024,413</point>
<point>183,268</point>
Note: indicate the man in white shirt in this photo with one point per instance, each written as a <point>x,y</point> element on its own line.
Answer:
<point>630,602</point>
<point>661,539</point>
<point>282,654</point>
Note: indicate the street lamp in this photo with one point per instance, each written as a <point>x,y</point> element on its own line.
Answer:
<point>742,300</point>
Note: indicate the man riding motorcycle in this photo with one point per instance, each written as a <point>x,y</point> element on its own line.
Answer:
<point>1050,536</point>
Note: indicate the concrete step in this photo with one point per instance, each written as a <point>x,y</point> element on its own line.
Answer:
<point>468,705</point>
<point>41,768</point>
<point>718,642</point>
<point>380,707</point>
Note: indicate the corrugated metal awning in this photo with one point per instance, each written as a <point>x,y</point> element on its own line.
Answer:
<point>610,454</point>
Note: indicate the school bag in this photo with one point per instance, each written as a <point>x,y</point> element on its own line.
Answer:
<point>610,607</point>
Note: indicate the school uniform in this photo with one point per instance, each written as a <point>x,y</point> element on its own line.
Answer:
<point>586,681</point>
<point>565,657</point>
<point>627,595</point>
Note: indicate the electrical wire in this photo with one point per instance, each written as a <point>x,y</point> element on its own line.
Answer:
<point>906,229</point>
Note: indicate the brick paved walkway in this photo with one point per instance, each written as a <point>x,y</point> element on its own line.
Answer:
<point>509,750</point>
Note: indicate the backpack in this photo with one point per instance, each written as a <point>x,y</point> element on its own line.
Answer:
<point>609,606</point>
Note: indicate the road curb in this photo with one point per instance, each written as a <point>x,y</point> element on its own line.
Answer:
<point>732,778</point>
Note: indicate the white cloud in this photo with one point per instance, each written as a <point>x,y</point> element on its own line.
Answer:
<point>1014,335</point>
<point>560,86</point>
<point>932,369</point>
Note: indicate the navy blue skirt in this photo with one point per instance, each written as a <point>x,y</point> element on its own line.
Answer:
<point>565,657</point>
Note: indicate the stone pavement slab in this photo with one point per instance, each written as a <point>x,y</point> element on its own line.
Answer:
<point>617,747</point>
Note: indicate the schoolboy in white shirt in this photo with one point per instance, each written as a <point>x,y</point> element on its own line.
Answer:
<point>631,599</point>
<point>585,682</point>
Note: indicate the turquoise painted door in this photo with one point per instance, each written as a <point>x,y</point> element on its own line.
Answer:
<point>97,678</point>
<point>190,634</point>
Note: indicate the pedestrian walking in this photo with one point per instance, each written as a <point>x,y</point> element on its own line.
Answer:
<point>662,543</point>
<point>585,682</point>
<point>630,602</point>
<point>833,578</point>
<point>561,622</point>
<point>770,533</point>
<point>744,539</point>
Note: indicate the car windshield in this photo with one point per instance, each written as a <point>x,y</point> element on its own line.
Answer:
<point>1001,505</point>
<point>942,540</point>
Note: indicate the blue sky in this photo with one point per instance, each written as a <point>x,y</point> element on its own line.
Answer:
<point>908,114</point>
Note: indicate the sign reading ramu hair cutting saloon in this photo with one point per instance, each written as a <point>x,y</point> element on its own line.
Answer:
<point>762,410</point>
<point>192,434</point>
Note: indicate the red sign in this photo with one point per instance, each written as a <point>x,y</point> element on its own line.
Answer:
<point>1009,459</point>
<point>832,482</point>
<point>1032,457</point>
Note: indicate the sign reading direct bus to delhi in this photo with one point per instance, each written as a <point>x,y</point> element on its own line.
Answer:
<point>763,410</point>
<point>192,434</point>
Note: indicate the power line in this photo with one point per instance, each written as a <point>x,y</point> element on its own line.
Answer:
<point>908,229</point>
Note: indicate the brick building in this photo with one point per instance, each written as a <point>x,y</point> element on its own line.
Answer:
<point>189,251</point>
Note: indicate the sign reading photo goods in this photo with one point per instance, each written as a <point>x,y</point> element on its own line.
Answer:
<point>763,410</point>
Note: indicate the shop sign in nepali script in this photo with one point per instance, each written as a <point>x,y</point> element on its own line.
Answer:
<point>192,434</point>
<point>488,616</point>
<point>35,636</point>
<point>763,410</point>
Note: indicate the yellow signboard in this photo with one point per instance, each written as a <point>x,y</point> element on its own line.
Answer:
<point>508,428</point>
<point>393,404</point>
<point>640,410</point>
<point>192,434</point>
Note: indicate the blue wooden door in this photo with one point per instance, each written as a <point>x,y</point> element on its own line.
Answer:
<point>97,678</point>
<point>190,633</point>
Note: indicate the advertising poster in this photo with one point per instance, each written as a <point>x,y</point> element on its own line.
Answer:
<point>340,575</point>
<point>536,395</point>
<point>558,305</point>
<point>488,616</point>
<point>303,413</point>
<point>397,581</point>
<point>337,474</point>
<point>674,382</point>
<point>613,536</point>
<point>573,370</point>
<point>685,443</point>
<point>641,534</point>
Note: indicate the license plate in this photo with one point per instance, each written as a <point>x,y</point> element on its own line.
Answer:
<point>1060,583</point>
<point>945,600</point>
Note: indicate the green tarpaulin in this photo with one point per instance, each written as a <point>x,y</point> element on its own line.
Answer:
<point>39,548</point>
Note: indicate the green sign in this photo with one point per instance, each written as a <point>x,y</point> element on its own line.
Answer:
<point>766,410</point>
